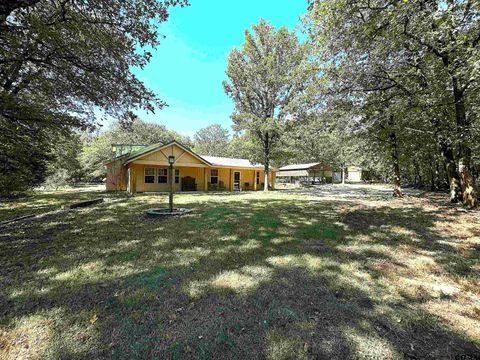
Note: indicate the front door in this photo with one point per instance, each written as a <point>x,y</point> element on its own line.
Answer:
<point>236,180</point>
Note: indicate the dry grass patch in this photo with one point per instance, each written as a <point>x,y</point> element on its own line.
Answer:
<point>27,340</point>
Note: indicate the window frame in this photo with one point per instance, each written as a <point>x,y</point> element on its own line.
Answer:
<point>257,177</point>
<point>214,177</point>
<point>159,171</point>
<point>152,176</point>
<point>177,177</point>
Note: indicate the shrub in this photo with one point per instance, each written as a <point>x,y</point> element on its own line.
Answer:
<point>59,178</point>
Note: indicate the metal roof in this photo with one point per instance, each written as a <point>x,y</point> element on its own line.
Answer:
<point>224,161</point>
<point>288,173</point>
<point>299,166</point>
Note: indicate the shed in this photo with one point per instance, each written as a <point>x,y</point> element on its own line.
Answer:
<point>310,172</point>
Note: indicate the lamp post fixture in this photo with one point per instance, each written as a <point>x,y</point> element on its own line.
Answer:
<point>171,160</point>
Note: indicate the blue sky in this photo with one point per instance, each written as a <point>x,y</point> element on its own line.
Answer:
<point>188,67</point>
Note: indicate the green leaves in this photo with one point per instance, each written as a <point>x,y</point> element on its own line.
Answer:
<point>99,149</point>
<point>407,60</point>
<point>64,62</point>
<point>265,79</point>
<point>212,140</point>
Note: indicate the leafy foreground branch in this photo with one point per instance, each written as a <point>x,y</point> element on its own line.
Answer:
<point>60,61</point>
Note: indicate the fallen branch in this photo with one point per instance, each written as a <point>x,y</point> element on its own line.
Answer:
<point>16,219</point>
<point>64,208</point>
<point>85,203</point>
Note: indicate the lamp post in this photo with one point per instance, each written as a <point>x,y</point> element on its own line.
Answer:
<point>171,160</point>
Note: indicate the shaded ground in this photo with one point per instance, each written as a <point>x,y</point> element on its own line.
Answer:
<point>348,191</point>
<point>283,275</point>
<point>37,202</point>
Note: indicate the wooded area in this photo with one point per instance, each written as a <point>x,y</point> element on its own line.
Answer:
<point>391,86</point>
<point>312,270</point>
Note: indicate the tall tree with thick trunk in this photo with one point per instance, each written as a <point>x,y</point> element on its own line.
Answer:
<point>397,186</point>
<point>63,61</point>
<point>423,52</point>
<point>266,76</point>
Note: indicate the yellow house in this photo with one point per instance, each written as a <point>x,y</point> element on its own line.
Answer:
<point>147,170</point>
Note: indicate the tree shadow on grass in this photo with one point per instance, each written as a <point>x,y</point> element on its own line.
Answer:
<point>425,232</point>
<point>41,202</point>
<point>236,279</point>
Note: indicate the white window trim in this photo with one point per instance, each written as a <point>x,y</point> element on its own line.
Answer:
<point>239,179</point>
<point>239,176</point>
<point>175,176</point>
<point>145,175</point>
<point>217,176</point>
<point>158,175</point>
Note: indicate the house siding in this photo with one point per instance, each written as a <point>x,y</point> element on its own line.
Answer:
<point>226,175</point>
<point>116,176</point>
<point>189,165</point>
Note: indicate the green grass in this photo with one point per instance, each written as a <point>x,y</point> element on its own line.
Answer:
<point>244,276</point>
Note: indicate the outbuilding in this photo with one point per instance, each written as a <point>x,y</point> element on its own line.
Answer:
<point>305,173</point>
<point>312,173</point>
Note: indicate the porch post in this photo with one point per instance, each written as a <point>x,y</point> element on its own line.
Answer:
<point>170,195</point>
<point>205,179</point>
<point>129,184</point>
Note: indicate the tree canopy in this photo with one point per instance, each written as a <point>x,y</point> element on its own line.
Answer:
<point>212,140</point>
<point>406,70</point>
<point>63,62</point>
<point>266,76</point>
<point>390,85</point>
<point>98,150</point>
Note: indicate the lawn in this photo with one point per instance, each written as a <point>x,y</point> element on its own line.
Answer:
<point>284,275</point>
<point>38,202</point>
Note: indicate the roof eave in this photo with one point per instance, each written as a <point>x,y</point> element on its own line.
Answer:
<point>173,142</point>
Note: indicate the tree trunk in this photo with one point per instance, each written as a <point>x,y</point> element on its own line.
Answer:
<point>438,177</point>
<point>343,175</point>
<point>467,182</point>
<point>397,187</point>
<point>432,179</point>
<point>265,184</point>
<point>415,173</point>
<point>267,161</point>
<point>451,172</point>
<point>469,196</point>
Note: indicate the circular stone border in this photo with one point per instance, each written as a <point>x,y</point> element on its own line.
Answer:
<point>160,212</point>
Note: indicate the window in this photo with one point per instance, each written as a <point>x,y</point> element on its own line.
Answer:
<point>162,176</point>
<point>214,176</point>
<point>177,176</point>
<point>258,178</point>
<point>149,175</point>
